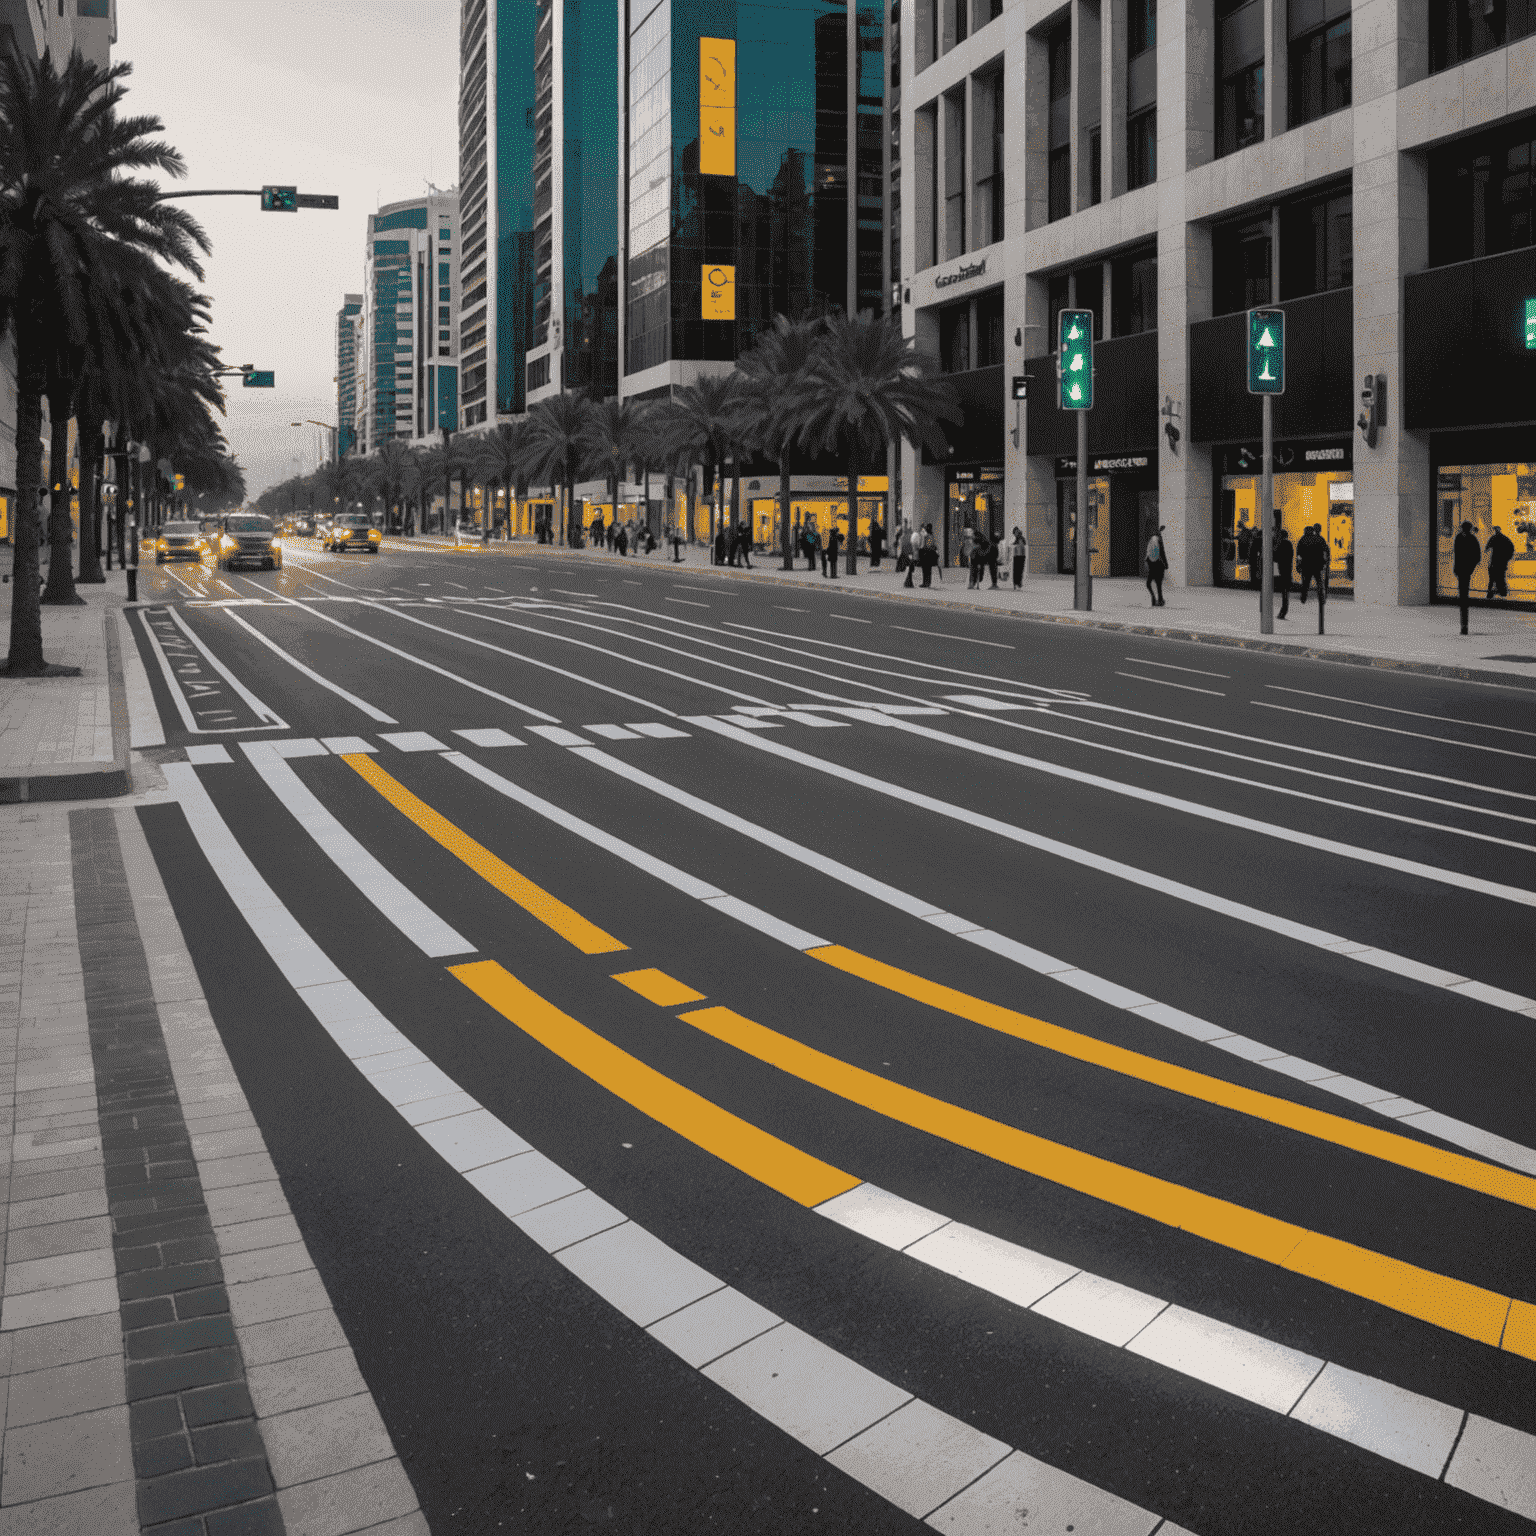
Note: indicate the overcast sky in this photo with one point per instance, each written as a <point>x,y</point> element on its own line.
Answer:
<point>355,97</point>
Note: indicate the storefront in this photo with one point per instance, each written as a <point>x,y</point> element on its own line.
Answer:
<point>1314,488</point>
<point>1122,512</point>
<point>1494,497</point>
<point>973,498</point>
<point>814,501</point>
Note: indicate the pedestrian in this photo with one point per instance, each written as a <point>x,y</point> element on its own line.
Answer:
<point>928,554</point>
<point>677,545</point>
<point>973,545</point>
<point>1311,558</point>
<point>994,549</point>
<point>834,545</point>
<point>604,533</point>
<point>876,544</point>
<point>1285,556</point>
<point>967,546</point>
<point>812,545</point>
<point>1157,566</point>
<point>720,545</point>
<point>621,541</point>
<point>744,544</point>
<point>1501,550</point>
<point>1466,556</point>
<point>903,548</point>
<point>1019,550</point>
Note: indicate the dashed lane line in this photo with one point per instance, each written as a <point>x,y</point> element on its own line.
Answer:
<point>368,709</point>
<point>935,634</point>
<point>1394,730</point>
<point>939,1467</point>
<point>1167,682</point>
<point>687,603</point>
<point>1332,698</point>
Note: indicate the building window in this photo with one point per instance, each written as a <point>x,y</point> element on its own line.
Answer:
<point>1317,246</point>
<point>1319,59</point>
<point>1324,500</point>
<point>538,372</point>
<point>954,173</point>
<point>1241,265</point>
<point>1240,70</point>
<point>1482,196</point>
<point>1059,162</point>
<point>1141,25</point>
<point>1463,29</point>
<point>987,100</point>
<point>1095,169</point>
<point>986,10</point>
<point>926,150</point>
<point>1133,292</point>
<point>1090,295</point>
<point>989,329</point>
<point>1141,150</point>
<point>955,338</point>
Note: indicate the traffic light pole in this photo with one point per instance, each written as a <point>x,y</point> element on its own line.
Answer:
<point>1082,585</point>
<point>1266,512</point>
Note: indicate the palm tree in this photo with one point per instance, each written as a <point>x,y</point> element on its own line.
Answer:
<point>611,441</point>
<point>557,433</point>
<point>69,207</point>
<point>774,372</point>
<point>392,476</point>
<point>866,387</point>
<point>704,421</point>
<point>503,457</point>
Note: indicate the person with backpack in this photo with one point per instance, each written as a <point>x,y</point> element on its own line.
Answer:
<point>1157,566</point>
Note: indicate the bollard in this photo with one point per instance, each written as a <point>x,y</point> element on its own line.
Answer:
<point>133,583</point>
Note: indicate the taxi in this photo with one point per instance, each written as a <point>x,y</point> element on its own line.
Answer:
<point>353,531</point>
<point>248,538</point>
<point>180,541</point>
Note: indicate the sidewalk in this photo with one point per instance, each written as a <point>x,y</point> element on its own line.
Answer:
<point>66,738</point>
<point>1501,647</point>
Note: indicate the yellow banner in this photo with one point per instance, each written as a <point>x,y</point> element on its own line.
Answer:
<point>717,106</point>
<point>719,288</point>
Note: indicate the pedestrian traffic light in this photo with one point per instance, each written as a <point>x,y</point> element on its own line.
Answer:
<point>1266,351</point>
<point>1074,359</point>
<point>1530,325</point>
<point>1021,386</point>
<point>279,199</point>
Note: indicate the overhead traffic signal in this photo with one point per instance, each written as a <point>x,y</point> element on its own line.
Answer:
<point>279,199</point>
<point>1074,359</point>
<point>258,378</point>
<point>1266,351</point>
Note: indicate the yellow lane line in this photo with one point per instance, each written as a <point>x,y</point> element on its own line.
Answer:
<point>533,899</point>
<point>659,988</point>
<point>804,1179</point>
<point>1387,1146</point>
<point>1455,1305</point>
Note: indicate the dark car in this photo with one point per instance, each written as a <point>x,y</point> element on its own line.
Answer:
<point>249,538</point>
<point>179,541</point>
<point>303,526</point>
<point>353,531</point>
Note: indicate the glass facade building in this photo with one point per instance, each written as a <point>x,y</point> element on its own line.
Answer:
<point>753,139</point>
<point>346,371</point>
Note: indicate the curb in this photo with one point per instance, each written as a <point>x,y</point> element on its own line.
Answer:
<point>68,781</point>
<point>1151,631</point>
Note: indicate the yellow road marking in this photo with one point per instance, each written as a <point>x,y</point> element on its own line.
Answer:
<point>533,899</point>
<point>659,988</point>
<point>804,1179</point>
<point>1455,1305</point>
<point>1372,1141</point>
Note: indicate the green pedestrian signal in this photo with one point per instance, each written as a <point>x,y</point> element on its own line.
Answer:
<point>279,199</point>
<point>1266,351</point>
<point>259,379</point>
<point>1530,325</point>
<point>1074,359</point>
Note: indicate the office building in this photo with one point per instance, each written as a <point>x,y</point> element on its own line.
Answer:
<point>349,325</point>
<point>1168,167</point>
<point>409,351</point>
<point>753,174</point>
<point>538,158</point>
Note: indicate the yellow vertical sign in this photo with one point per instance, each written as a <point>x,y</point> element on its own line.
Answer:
<point>717,106</point>
<point>719,286</point>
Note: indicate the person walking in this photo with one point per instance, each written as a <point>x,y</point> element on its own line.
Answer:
<point>1466,556</point>
<point>744,544</point>
<point>1019,550</point>
<point>928,554</point>
<point>834,546</point>
<point>720,545</point>
<point>876,543</point>
<point>976,557</point>
<point>1157,566</point>
<point>812,545</point>
<point>1311,558</point>
<point>1285,559</point>
<point>1501,550</point>
<point>967,549</point>
<point>677,544</point>
<point>621,541</point>
<point>994,550</point>
<point>907,558</point>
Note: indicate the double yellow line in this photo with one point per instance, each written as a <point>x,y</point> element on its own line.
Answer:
<point>1455,1305</point>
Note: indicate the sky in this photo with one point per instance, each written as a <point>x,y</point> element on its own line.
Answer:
<point>353,97</point>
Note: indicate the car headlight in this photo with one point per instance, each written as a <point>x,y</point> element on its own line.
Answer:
<point>346,533</point>
<point>373,533</point>
<point>162,545</point>
<point>277,543</point>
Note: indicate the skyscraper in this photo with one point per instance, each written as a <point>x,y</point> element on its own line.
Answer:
<point>348,327</point>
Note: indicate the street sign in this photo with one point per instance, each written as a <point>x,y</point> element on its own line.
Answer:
<point>318,200</point>
<point>279,199</point>
<point>1530,325</point>
<point>1074,359</point>
<point>1266,351</point>
<point>259,379</point>
<point>1020,386</point>
<point>719,292</point>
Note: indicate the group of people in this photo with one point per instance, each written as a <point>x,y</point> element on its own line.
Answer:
<point>620,538</point>
<point>810,544</point>
<point>1307,558</point>
<point>1467,555</point>
<point>733,544</point>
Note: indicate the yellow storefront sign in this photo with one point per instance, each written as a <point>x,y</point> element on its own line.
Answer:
<point>717,106</point>
<point>719,290</point>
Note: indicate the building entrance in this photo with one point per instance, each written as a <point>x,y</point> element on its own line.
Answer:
<point>973,499</point>
<point>1314,488</point>
<point>1122,512</point>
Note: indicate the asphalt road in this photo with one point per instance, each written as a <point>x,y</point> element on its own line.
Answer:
<point>1097,1069</point>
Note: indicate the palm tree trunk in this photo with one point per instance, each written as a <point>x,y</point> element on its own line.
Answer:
<point>26,657</point>
<point>61,579</point>
<point>90,510</point>
<point>784,512</point>
<point>852,566</point>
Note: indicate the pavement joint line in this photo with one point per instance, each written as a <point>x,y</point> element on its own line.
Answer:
<point>296,955</point>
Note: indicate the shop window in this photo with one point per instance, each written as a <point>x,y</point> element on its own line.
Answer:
<point>1059,161</point>
<point>1324,501</point>
<point>1240,262</point>
<point>955,338</point>
<point>1463,29</point>
<point>1240,71</point>
<point>989,329</point>
<point>1319,68</point>
<point>1482,196</point>
<point>987,105</point>
<point>1141,150</point>
<point>1493,498</point>
<point>1133,292</point>
<point>1317,251</point>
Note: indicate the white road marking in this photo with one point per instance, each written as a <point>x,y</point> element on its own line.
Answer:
<point>848,619</point>
<point>412,916</point>
<point>1164,682</point>
<point>783,609</point>
<point>1142,661</point>
<point>1302,933</point>
<point>178,695</point>
<point>1383,1101</point>
<point>1395,730</point>
<point>934,634</point>
<point>687,603</point>
<point>683,586</point>
<point>567,1219</point>
<point>342,745</point>
<point>655,729</point>
<point>204,754</point>
<point>260,710</point>
<point>459,584</point>
<point>987,702</point>
<point>413,741</point>
<point>489,736</point>
<point>144,725</point>
<point>559,735</point>
<point>1482,725</point>
<point>309,672</point>
<point>612,732</point>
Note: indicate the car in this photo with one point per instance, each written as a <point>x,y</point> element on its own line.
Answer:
<point>248,538</point>
<point>303,526</point>
<point>352,531</point>
<point>180,541</point>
